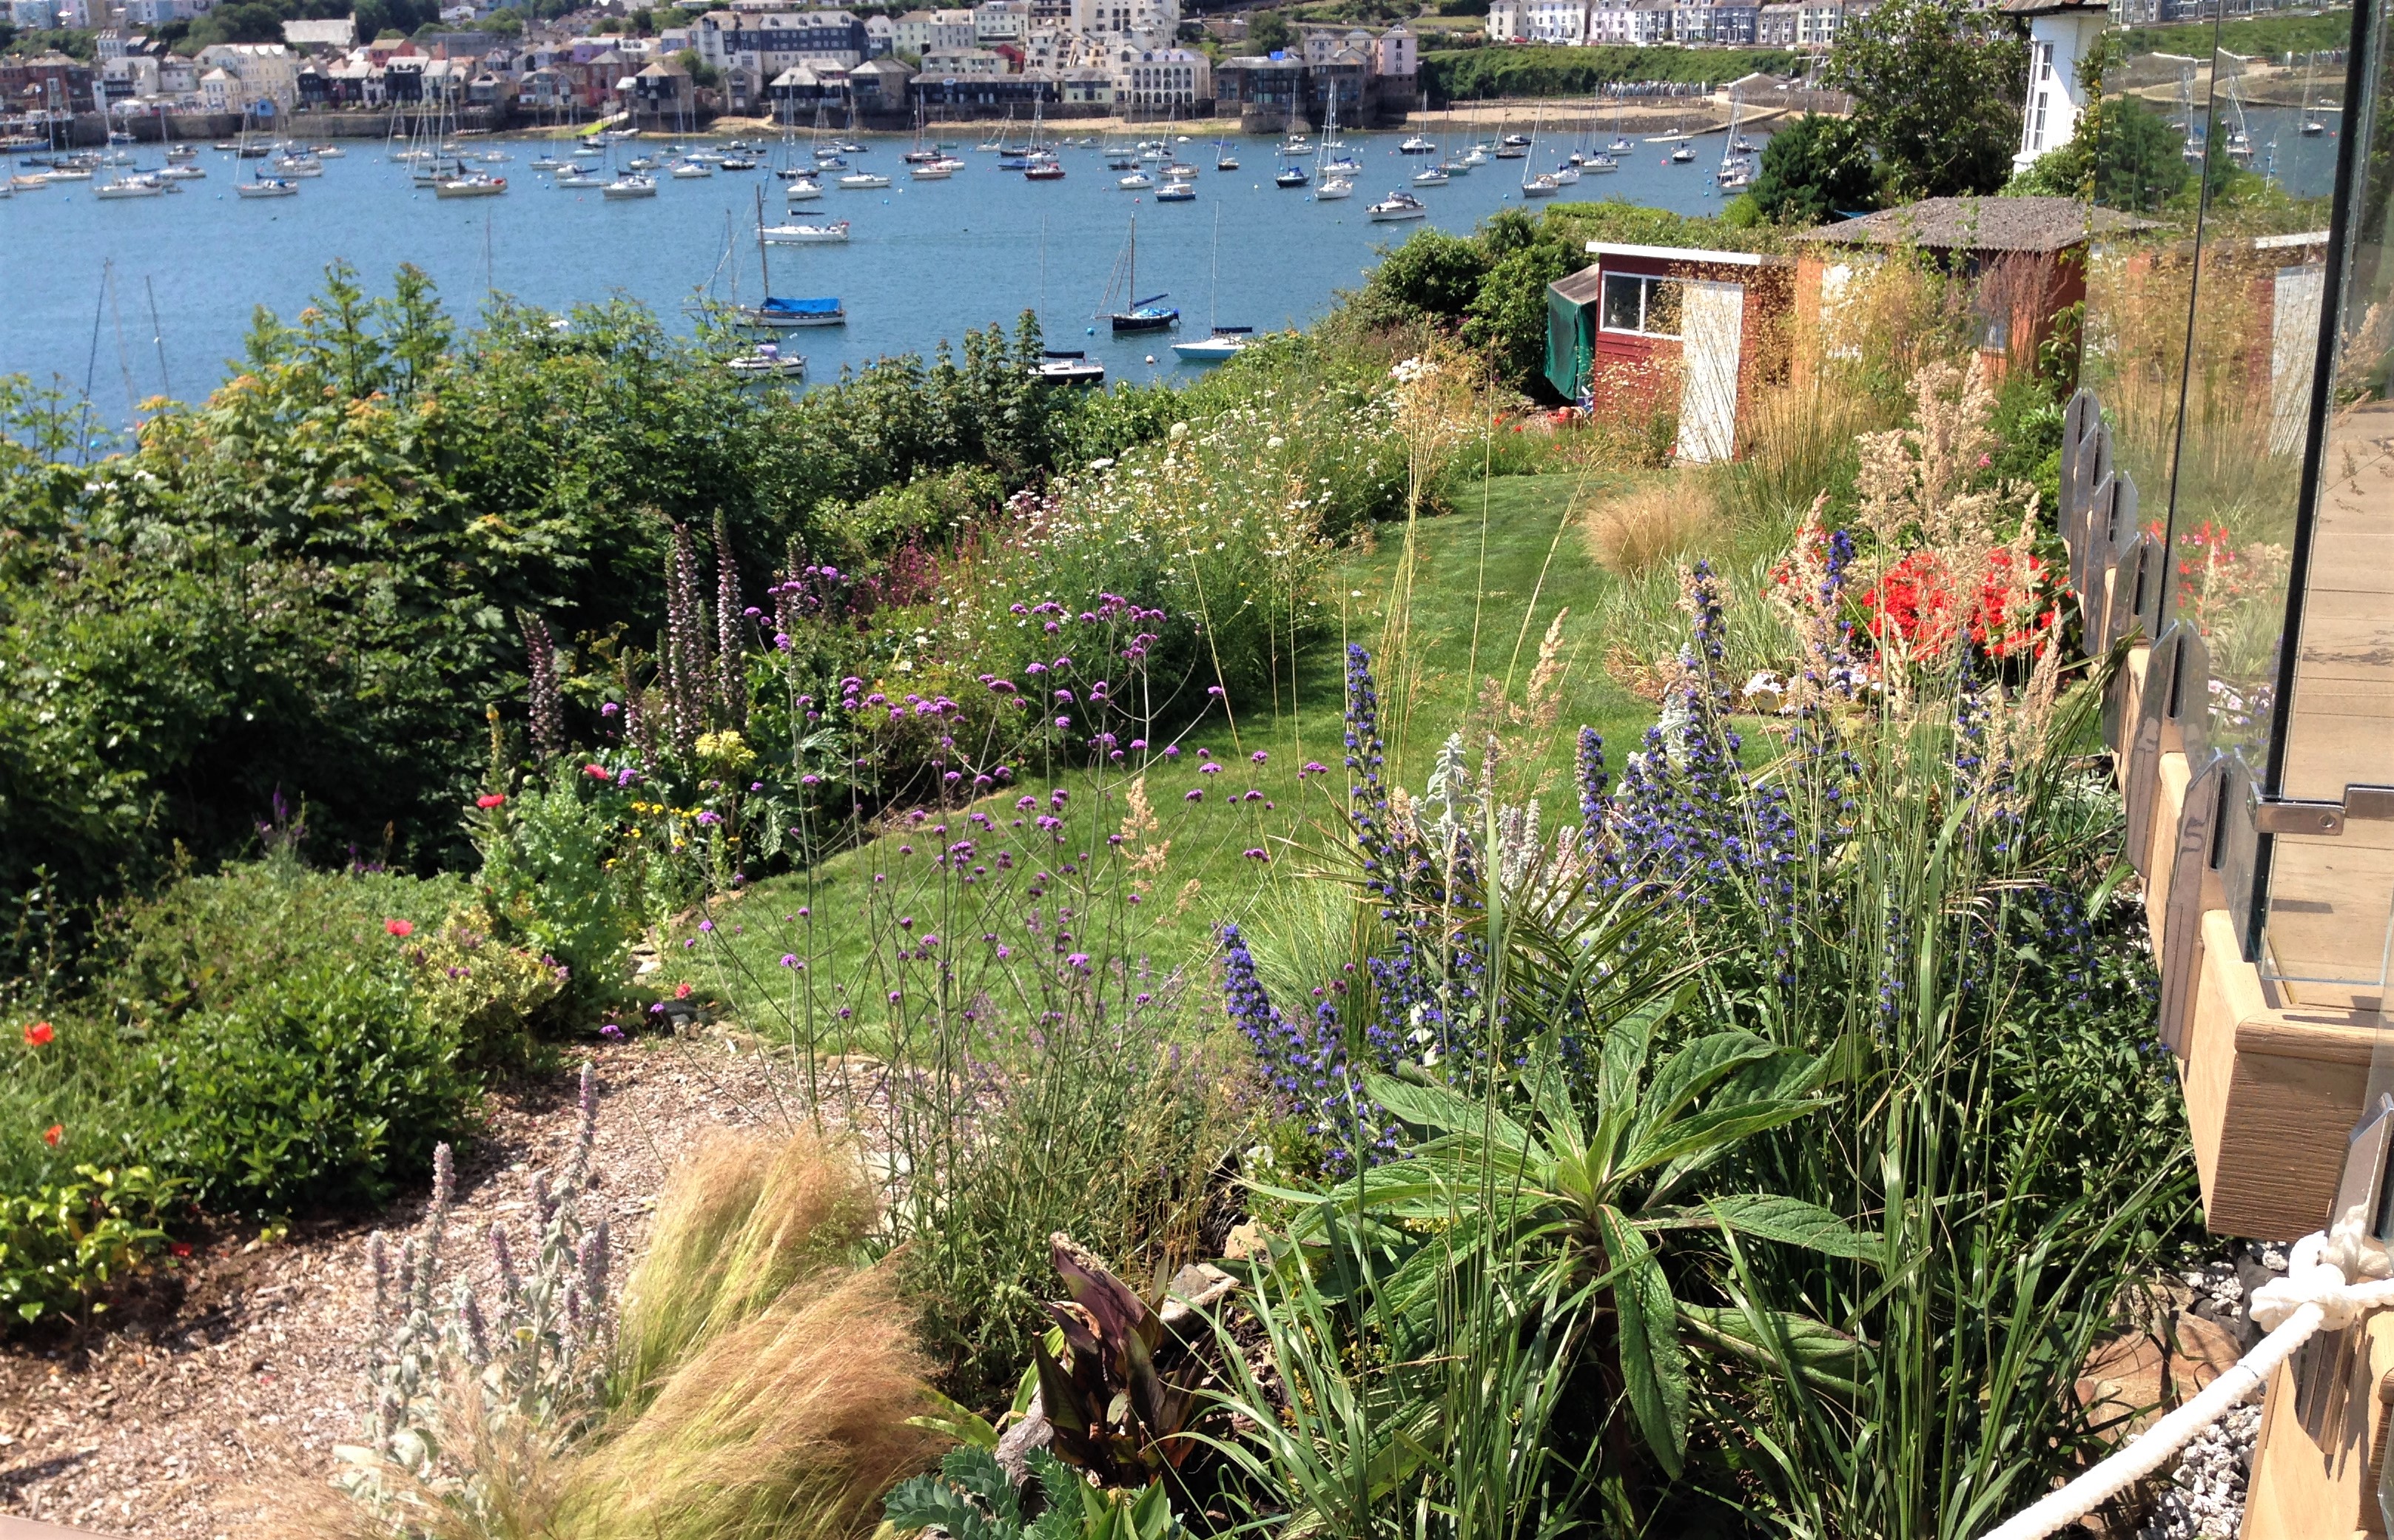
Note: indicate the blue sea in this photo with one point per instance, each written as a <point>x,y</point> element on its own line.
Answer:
<point>81,278</point>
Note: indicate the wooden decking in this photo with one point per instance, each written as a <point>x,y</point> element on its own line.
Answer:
<point>2331,899</point>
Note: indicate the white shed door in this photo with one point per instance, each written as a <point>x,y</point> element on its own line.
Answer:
<point>1712,333</point>
<point>2294,348</point>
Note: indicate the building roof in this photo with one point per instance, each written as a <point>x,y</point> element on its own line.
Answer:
<point>2055,8</point>
<point>1980,224</point>
<point>1581,287</point>
<point>338,33</point>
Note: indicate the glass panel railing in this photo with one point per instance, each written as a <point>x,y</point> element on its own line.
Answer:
<point>2237,486</point>
<point>2329,921</point>
<point>2140,289</point>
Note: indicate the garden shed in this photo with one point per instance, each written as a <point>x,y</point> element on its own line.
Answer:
<point>1646,328</point>
<point>2024,258</point>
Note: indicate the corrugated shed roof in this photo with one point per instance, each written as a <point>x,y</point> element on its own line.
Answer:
<point>1980,224</point>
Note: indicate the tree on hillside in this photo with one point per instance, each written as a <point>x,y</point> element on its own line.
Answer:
<point>1936,88</point>
<point>2127,153</point>
<point>1269,30</point>
<point>1815,169</point>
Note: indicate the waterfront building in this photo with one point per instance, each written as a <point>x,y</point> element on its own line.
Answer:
<point>943,62</point>
<point>751,48</point>
<point>1151,79</point>
<point>2060,33</point>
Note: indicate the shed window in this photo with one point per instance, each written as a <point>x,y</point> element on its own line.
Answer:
<point>1636,303</point>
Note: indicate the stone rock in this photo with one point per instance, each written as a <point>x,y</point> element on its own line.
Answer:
<point>1246,1240</point>
<point>1014,1445</point>
<point>1193,1288</point>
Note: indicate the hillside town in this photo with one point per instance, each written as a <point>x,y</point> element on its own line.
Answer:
<point>752,58</point>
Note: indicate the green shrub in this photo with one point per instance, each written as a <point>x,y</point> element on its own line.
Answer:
<point>490,990</point>
<point>551,884</point>
<point>330,1089</point>
<point>61,1245</point>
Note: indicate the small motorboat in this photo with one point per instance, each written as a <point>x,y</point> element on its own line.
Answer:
<point>1056,367</point>
<point>183,171</point>
<point>1474,156</point>
<point>803,191</point>
<point>476,185</point>
<point>862,181</point>
<point>631,184</point>
<point>833,233</point>
<point>1138,182</point>
<point>1179,171</point>
<point>1417,144</point>
<point>1434,176</point>
<point>1292,176</point>
<point>1399,206</point>
<point>1176,192</point>
<point>131,185</point>
<point>768,361</point>
<point>1226,343</point>
<point>268,187</point>
<point>930,171</point>
<point>691,171</point>
<point>737,162</point>
<point>1226,163</point>
<point>1044,171</point>
<point>1683,154</point>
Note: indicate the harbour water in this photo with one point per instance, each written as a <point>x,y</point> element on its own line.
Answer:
<point>82,277</point>
<point>925,261</point>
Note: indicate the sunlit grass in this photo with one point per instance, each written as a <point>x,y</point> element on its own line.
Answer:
<point>1490,579</point>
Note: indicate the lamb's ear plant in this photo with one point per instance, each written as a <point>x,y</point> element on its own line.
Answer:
<point>972,1498</point>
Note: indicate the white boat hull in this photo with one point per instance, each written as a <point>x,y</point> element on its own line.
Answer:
<point>804,235</point>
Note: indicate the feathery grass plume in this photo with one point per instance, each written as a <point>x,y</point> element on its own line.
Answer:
<point>743,1222</point>
<point>790,1424</point>
<point>1651,525</point>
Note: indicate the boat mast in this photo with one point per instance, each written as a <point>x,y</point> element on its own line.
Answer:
<point>764,269</point>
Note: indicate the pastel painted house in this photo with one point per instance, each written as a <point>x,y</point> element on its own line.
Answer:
<point>1645,329</point>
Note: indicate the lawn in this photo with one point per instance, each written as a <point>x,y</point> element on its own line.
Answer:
<point>1489,580</point>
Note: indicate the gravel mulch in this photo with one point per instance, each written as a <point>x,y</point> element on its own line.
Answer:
<point>207,1407</point>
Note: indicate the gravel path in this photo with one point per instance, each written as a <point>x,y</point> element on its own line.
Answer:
<point>210,1406</point>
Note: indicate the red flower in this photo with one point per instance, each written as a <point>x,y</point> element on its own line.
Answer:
<point>399,928</point>
<point>39,1033</point>
<point>681,992</point>
<point>596,772</point>
<point>55,1132</point>
<point>488,801</point>
<point>179,1248</point>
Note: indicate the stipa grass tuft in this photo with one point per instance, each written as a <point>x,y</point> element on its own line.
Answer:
<point>1649,525</point>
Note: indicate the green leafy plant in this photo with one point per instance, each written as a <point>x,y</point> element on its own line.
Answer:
<point>330,1089</point>
<point>972,1498</point>
<point>550,885</point>
<point>61,1245</point>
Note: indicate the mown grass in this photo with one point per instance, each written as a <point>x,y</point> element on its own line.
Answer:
<point>1489,580</point>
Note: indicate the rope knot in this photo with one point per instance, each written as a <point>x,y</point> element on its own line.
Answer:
<point>2316,1274</point>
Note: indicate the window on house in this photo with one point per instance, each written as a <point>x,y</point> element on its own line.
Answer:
<point>1636,303</point>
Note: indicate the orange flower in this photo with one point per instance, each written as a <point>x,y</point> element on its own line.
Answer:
<point>39,1033</point>
<point>55,1132</point>
<point>399,928</point>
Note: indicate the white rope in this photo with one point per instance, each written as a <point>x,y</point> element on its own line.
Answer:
<point>2314,1295</point>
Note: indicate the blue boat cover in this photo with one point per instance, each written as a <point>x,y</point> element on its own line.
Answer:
<point>803,306</point>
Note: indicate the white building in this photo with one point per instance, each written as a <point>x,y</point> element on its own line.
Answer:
<point>1557,21</point>
<point>2059,33</point>
<point>1149,23</point>
<point>268,71</point>
<point>1162,77</point>
<point>1507,20</point>
<point>996,22</point>
<point>926,31</point>
<point>964,64</point>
